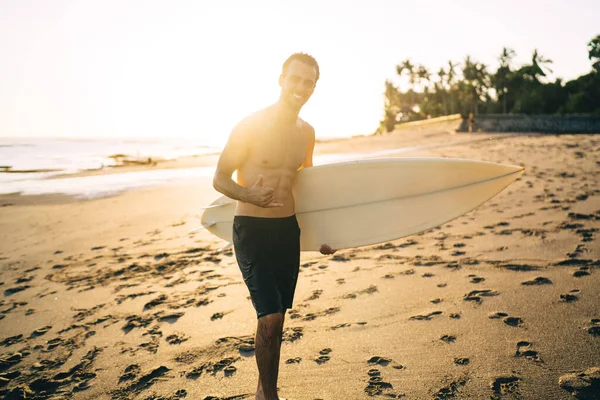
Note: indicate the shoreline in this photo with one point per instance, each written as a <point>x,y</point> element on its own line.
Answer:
<point>391,145</point>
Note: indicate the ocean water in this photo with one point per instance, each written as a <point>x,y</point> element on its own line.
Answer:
<point>71,156</point>
<point>67,156</point>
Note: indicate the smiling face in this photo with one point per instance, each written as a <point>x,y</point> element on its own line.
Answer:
<point>297,84</point>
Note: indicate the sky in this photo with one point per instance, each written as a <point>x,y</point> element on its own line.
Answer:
<point>194,68</point>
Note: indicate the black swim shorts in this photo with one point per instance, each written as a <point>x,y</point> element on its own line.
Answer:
<point>268,255</point>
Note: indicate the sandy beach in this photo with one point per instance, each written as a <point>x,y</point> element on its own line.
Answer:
<point>113,298</point>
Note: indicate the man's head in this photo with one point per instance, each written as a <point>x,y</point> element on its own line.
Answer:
<point>298,79</point>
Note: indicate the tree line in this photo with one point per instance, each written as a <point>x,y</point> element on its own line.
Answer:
<point>471,88</point>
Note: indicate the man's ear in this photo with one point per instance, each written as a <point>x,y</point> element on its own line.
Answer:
<point>281,80</point>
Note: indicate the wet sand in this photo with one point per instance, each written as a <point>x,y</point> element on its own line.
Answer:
<point>114,298</point>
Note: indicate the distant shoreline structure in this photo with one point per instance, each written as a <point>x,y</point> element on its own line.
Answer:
<point>510,123</point>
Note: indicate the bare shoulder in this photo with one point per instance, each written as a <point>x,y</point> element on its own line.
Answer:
<point>306,128</point>
<point>248,126</point>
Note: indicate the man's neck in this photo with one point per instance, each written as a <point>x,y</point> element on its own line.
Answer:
<point>285,113</point>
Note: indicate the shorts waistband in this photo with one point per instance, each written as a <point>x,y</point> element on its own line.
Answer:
<point>264,221</point>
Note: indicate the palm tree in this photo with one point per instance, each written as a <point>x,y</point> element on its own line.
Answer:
<point>439,88</point>
<point>502,75</point>
<point>409,68</point>
<point>391,107</point>
<point>594,52</point>
<point>538,64</point>
<point>423,75</point>
<point>477,80</point>
<point>450,76</point>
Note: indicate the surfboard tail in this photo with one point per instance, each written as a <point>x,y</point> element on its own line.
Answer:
<point>228,245</point>
<point>204,226</point>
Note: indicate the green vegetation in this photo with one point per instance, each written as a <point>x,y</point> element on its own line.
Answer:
<point>470,88</point>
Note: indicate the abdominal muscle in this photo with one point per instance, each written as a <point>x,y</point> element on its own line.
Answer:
<point>280,179</point>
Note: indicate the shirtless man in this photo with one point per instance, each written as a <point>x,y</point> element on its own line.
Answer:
<point>267,149</point>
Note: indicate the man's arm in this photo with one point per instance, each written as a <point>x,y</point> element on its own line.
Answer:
<point>308,158</point>
<point>232,158</point>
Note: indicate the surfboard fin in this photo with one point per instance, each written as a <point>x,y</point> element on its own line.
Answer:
<point>228,245</point>
<point>215,206</point>
<point>203,227</point>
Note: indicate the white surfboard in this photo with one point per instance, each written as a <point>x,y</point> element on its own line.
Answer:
<point>364,202</point>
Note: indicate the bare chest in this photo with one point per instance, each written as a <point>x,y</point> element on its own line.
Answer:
<point>279,151</point>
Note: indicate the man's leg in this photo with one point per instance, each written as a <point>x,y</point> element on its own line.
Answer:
<point>268,345</point>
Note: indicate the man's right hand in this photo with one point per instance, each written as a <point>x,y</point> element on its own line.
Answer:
<point>260,195</point>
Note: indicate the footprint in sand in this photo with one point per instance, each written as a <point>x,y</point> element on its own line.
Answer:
<point>176,338</point>
<point>448,338</point>
<point>475,278</point>
<point>322,359</point>
<point>383,361</point>
<point>308,264</point>
<point>476,295</point>
<point>171,318</point>
<point>450,389</point>
<point>497,315</point>
<point>312,316</point>
<point>292,334</point>
<point>425,317</point>
<point>513,321</point>
<point>295,360</point>
<point>505,386</point>
<point>153,303</point>
<point>216,316</point>
<point>370,290</point>
<point>376,386</point>
<point>16,289</point>
<point>537,281</point>
<point>569,297</point>
<point>212,367</point>
<point>9,341</point>
<point>582,385</point>
<point>582,271</point>
<point>524,350</point>
<point>229,371</point>
<point>379,361</point>
<point>345,325</point>
<point>130,373</point>
<point>40,331</point>
<point>462,361</point>
<point>24,279</point>
<point>579,250</point>
<point>594,329</point>
<point>315,295</point>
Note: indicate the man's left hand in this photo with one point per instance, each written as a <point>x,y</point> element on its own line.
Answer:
<point>326,249</point>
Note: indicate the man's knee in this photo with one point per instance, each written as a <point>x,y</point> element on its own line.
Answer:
<point>270,326</point>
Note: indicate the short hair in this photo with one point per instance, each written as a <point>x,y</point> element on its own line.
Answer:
<point>303,57</point>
